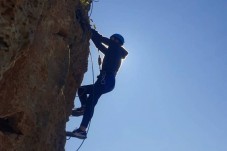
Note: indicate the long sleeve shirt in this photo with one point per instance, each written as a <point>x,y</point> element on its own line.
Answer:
<point>113,53</point>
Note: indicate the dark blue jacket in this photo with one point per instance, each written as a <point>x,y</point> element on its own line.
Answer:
<point>114,53</point>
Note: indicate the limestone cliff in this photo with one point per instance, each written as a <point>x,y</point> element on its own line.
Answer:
<point>43,57</point>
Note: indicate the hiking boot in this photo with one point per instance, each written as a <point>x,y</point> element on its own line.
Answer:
<point>79,134</point>
<point>78,111</point>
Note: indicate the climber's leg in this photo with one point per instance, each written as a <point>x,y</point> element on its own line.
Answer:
<point>99,88</point>
<point>83,91</point>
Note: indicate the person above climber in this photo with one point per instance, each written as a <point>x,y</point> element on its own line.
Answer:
<point>113,55</point>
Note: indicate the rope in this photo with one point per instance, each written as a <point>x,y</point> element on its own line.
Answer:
<point>93,80</point>
<point>92,5</point>
<point>93,76</point>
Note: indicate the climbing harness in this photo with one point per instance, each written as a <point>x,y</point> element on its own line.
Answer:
<point>99,61</point>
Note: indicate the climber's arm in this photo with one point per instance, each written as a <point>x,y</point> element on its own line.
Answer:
<point>124,52</point>
<point>99,40</point>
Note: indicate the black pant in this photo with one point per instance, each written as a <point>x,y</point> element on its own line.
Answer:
<point>89,95</point>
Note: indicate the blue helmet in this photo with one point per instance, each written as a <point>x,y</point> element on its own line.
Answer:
<point>119,37</point>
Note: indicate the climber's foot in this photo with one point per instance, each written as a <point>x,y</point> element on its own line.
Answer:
<point>78,133</point>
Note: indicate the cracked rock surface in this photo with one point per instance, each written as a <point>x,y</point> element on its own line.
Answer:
<point>44,47</point>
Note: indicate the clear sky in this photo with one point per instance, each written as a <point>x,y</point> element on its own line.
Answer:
<point>171,90</point>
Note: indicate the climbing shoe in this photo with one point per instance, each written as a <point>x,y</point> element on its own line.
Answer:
<point>79,134</point>
<point>78,111</point>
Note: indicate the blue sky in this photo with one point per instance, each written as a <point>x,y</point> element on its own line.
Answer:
<point>171,91</point>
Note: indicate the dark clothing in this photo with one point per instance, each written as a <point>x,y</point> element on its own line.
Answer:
<point>113,54</point>
<point>106,80</point>
<point>103,85</point>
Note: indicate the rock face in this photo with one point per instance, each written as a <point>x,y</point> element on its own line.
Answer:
<point>44,47</point>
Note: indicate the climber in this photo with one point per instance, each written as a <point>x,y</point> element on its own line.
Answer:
<point>113,55</point>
